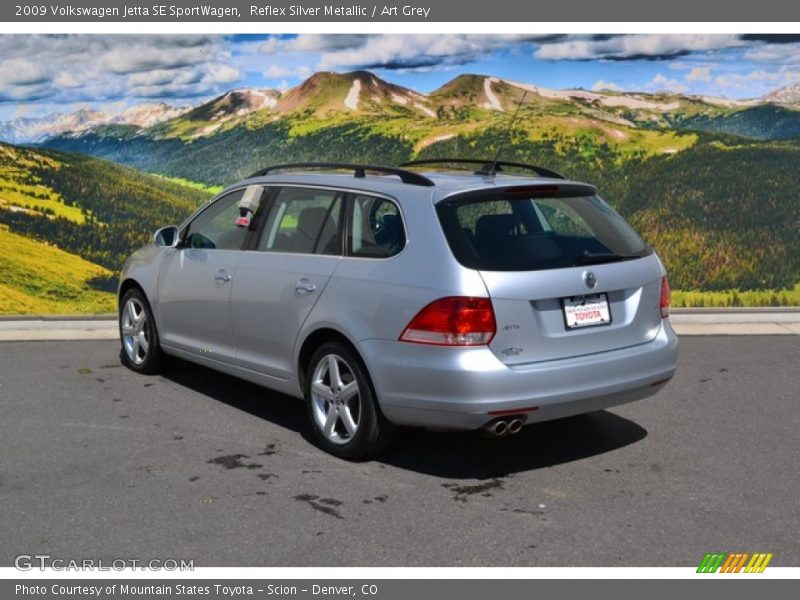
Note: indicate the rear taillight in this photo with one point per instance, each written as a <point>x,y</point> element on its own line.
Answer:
<point>453,321</point>
<point>666,298</point>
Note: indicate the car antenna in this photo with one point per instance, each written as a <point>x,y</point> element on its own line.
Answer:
<point>490,172</point>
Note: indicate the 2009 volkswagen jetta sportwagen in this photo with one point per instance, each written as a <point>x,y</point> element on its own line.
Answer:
<point>446,299</point>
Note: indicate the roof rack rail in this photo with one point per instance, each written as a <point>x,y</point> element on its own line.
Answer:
<point>488,167</point>
<point>359,171</point>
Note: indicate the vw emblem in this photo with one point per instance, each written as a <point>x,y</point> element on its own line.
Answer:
<point>590,279</point>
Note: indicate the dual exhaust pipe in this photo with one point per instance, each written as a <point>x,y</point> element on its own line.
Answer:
<point>502,427</point>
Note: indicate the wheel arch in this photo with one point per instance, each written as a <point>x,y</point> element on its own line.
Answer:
<point>128,284</point>
<point>314,340</point>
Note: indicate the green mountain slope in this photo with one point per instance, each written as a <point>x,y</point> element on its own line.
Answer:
<point>766,122</point>
<point>41,279</point>
<point>80,217</point>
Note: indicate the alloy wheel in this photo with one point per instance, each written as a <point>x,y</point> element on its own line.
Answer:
<point>335,398</point>
<point>135,336</point>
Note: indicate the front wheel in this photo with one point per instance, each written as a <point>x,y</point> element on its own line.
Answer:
<point>141,350</point>
<point>344,413</point>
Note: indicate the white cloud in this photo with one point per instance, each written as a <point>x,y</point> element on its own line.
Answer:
<point>662,83</point>
<point>22,72</point>
<point>757,82</point>
<point>279,71</point>
<point>101,68</point>
<point>621,47</point>
<point>276,71</point>
<point>67,80</point>
<point>409,51</point>
<point>601,85</point>
<point>221,73</point>
<point>699,74</point>
<point>155,77</point>
<point>775,53</point>
<point>312,43</point>
<point>142,57</point>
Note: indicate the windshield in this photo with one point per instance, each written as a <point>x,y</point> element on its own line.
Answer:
<point>500,230</point>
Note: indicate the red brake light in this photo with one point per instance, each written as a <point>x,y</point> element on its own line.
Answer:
<point>666,298</point>
<point>453,321</point>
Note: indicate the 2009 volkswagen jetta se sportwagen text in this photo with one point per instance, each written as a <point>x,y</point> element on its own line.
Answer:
<point>431,296</point>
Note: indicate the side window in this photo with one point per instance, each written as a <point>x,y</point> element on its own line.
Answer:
<point>304,221</point>
<point>215,229</point>
<point>376,228</point>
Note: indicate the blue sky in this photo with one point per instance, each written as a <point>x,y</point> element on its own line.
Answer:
<point>46,74</point>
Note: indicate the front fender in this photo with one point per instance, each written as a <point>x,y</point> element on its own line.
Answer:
<point>143,267</point>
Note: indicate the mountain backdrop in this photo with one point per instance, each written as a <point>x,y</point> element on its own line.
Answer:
<point>711,183</point>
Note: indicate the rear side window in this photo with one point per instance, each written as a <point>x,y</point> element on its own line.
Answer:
<point>304,221</point>
<point>376,228</point>
<point>505,231</point>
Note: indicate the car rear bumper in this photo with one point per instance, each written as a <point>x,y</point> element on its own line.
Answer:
<point>460,388</point>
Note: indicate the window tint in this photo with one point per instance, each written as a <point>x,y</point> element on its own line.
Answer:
<point>304,220</point>
<point>215,229</point>
<point>490,231</point>
<point>376,228</point>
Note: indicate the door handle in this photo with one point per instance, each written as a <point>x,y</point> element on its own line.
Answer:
<point>222,275</point>
<point>305,286</point>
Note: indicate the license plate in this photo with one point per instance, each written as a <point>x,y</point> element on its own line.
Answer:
<point>586,311</point>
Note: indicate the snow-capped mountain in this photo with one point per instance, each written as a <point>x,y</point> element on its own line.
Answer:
<point>25,130</point>
<point>32,130</point>
<point>785,95</point>
<point>147,115</point>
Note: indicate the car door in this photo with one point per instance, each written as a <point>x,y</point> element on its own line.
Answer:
<point>195,282</point>
<point>283,276</point>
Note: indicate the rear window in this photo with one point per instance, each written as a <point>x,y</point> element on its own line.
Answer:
<point>501,230</point>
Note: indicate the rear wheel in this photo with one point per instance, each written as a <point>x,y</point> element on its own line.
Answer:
<point>141,350</point>
<point>342,407</point>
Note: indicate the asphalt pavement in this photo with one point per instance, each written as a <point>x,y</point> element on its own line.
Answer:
<point>98,462</point>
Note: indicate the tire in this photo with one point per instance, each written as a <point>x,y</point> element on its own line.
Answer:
<point>140,347</point>
<point>358,429</point>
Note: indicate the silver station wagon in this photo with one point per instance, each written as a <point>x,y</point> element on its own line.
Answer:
<point>449,294</point>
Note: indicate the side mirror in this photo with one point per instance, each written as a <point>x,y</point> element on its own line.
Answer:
<point>166,237</point>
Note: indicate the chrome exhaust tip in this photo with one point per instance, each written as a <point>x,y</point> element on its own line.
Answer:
<point>497,428</point>
<point>515,426</point>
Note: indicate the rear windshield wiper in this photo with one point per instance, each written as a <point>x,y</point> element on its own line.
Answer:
<point>596,258</point>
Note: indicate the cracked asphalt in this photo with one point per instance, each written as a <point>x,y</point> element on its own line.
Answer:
<point>98,462</point>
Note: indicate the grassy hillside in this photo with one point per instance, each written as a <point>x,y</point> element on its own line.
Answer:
<point>68,221</point>
<point>41,279</point>
<point>119,206</point>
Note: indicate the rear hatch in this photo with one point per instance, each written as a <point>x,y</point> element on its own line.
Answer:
<point>567,276</point>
